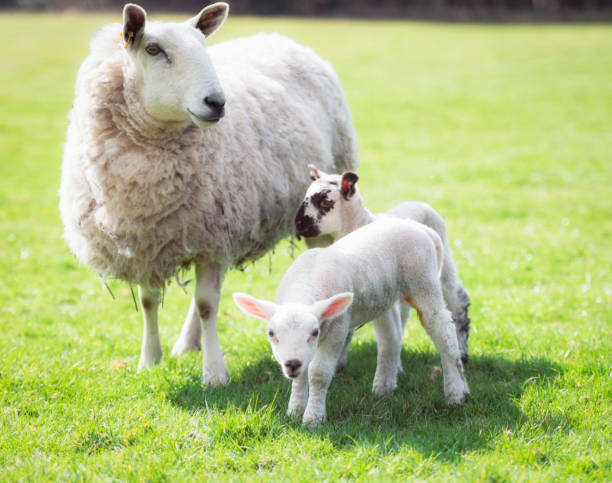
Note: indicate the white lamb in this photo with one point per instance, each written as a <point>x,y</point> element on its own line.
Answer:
<point>329,292</point>
<point>333,205</point>
<point>145,190</point>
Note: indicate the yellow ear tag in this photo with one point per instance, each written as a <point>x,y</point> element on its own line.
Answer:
<point>130,37</point>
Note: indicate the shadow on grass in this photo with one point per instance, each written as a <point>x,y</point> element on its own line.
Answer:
<point>415,414</point>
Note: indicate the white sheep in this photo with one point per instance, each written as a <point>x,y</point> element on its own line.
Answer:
<point>333,205</point>
<point>329,292</point>
<point>145,190</point>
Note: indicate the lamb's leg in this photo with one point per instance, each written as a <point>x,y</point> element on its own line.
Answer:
<point>343,359</point>
<point>299,395</point>
<point>151,351</point>
<point>438,323</point>
<point>457,300</point>
<point>321,371</point>
<point>389,342</point>
<point>206,301</point>
<point>404,308</point>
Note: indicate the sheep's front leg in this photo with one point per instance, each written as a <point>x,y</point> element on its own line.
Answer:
<point>389,343</point>
<point>321,371</point>
<point>150,352</point>
<point>299,395</point>
<point>206,301</point>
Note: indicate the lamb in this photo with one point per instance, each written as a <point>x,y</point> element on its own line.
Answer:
<point>179,155</point>
<point>329,292</point>
<point>333,205</point>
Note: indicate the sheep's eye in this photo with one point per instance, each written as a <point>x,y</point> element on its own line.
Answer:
<point>270,333</point>
<point>314,333</point>
<point>326,203</point>
<point>333,183</point>
<point>153,49</point>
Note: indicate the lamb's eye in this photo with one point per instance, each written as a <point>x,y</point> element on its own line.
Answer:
<point>270,333</point>
<point>314,333</point>
<point>153,49</point>
<point>325,203</point>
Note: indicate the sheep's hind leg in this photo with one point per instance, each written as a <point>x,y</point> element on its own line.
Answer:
<point>151,351</point>
<point>190,338</point>
<point>206,300</point>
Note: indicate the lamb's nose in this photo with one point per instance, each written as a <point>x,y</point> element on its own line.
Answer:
<point>216,102</point>
<point>293,365</point>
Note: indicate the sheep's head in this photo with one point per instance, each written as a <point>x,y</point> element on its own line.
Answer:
<point>320,213</point>
<point>294,329</point>
<point>178,80</point>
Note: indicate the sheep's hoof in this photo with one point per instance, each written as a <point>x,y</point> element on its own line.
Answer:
<point>181,347</point>
<point>215,379</point>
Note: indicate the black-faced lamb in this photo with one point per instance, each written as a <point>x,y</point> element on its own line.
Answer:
<point>177,155</point>
<point>333,205</point>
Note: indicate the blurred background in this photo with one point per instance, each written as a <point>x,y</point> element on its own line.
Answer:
<point>459,10</point>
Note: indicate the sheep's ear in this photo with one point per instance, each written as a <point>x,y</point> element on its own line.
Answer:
<point>347,185</point>
<point>134,18</point>
<point>260,309</point>
<point>333,306</point>
<point>315,173</point>
<point>210,18</point>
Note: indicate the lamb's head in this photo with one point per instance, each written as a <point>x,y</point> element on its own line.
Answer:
<point>320,211</point>
<point>294,329</point>
<point>175,77</point>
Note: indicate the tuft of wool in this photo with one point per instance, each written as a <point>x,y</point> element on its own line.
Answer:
<point>140,198</point>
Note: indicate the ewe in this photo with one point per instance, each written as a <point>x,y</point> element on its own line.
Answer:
<point>329,292</point>
<point>333,205</point>
<point>178,155</point>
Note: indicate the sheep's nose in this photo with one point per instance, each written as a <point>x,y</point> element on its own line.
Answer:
<point>293,365</point>
<point>216,102</point>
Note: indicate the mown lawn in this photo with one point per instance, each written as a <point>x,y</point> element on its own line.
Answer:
<point>506,130</point>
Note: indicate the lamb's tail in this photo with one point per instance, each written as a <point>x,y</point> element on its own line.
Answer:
<point>439,246</point>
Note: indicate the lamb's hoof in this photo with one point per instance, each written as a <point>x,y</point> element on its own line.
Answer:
<point>383,387</point>
<point>464,358</point>
<point>458,398</point>
<point>313,421</point>
<point>296,412</point>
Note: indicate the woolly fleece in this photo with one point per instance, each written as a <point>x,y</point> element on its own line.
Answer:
<point>141,198</point>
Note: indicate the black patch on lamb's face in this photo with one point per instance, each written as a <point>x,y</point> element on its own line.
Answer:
<point>322,203</point>
<point>305,225</point>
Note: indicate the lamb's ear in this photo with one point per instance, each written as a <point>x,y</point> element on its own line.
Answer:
<point>333,306</point>
<point>134,19</point>
<point>210,18</point>
<point>260,309</point>
<point>347,185</point>
<point>315,173</point>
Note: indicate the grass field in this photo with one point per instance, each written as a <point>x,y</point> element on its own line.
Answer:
<point>506,130</point>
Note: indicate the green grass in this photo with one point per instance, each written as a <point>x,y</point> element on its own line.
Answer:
<point>506,130</point>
